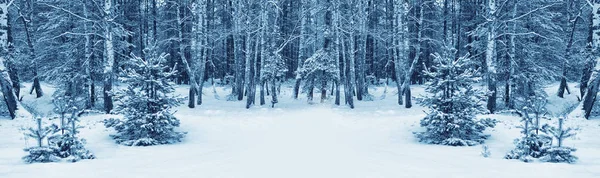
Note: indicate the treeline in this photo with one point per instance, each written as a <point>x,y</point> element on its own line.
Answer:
<point>323,45</point>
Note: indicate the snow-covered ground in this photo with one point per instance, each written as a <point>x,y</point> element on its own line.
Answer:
<point>296,139</point>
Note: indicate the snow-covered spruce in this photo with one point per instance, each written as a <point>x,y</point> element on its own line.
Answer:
<point>272,71</point>
<point>41,153</point>
<point>68,145</point>
<point>530,147</point>
<point>453,104</point>
<point>559,153</point>
<point>533,144</point>
<point>72,148</point>
<point>319,70</point>
<point>146,104</point>
<point>539,145</point>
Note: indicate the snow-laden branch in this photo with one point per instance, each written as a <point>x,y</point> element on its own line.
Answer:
<point>67,11</point>
<point>532,11</point>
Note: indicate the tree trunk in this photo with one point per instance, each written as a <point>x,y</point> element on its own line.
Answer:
<point>490,57</point>
<point>262,93</point>
<point>184,60</point>
<point>347,79</point>
<point>205,13</point>
<point>323,91</point>
<point>36,85</point>
<point>563,81</point>
<point>408,75</point>
<point>238,52</point>
<point>408,96</point>
<point>273,93</point>
<point>589,98</point>
<point>399,49</point>
<point>88,57</point>
<point>351,76</point>
<point>563,86</point>
<point>336,51</point>
<point>249,71</point>
<point>304,15</point>
<point>311,88</point>
<point>7,88</point>
<point>297,86</point>
<point>360,72</point>
<point>590,59</point>
<point>32,55</point>
<point>109,55</point>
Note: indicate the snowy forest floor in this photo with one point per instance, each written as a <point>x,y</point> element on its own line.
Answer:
<point>296,139</point>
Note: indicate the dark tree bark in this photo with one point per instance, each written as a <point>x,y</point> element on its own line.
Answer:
<point>262,93</point>
<point>10,65</point>
<point>32,55</point>
<point>590,98</point>
<point>273,94</point>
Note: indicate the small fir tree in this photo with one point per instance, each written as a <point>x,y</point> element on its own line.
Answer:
<point>533,144</point>
<point>69,145</point>
<point>559,153</point>
<point>41,153</point>
<point>453,104</point>
<point>485,151</point>
<point>146,104</point>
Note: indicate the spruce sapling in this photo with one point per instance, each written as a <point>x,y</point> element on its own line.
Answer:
<point>41,153</point>
<point>559,153</point>
<point>69,145</point>
<point>533,144</point>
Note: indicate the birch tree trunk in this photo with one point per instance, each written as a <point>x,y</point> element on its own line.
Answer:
<point>335,51</point>
<point>304,15</point>
<point>249,75</point>
<point>398,47</point>
<point>408,75</point>
<point>109,56</point>
<point>263,55</point>
<point>351,76</point>
<point>361,40</point>
<point>184,60</point>
<point>10,65</point>
<point>206,13</point>
<point>238,57</point>
<point>5,82</point>
<point>88,57</point>
<point>349,97</point>
<point>512,57</point>
<point>490,56</point>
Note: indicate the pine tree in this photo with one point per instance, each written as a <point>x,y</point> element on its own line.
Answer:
<point>453,104</point>
<point>146,105</point>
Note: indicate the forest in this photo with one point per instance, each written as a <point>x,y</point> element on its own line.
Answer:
<point>307,88</point>
<point>255,46</point>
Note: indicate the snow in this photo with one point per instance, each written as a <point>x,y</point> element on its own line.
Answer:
<point>296,139</point>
